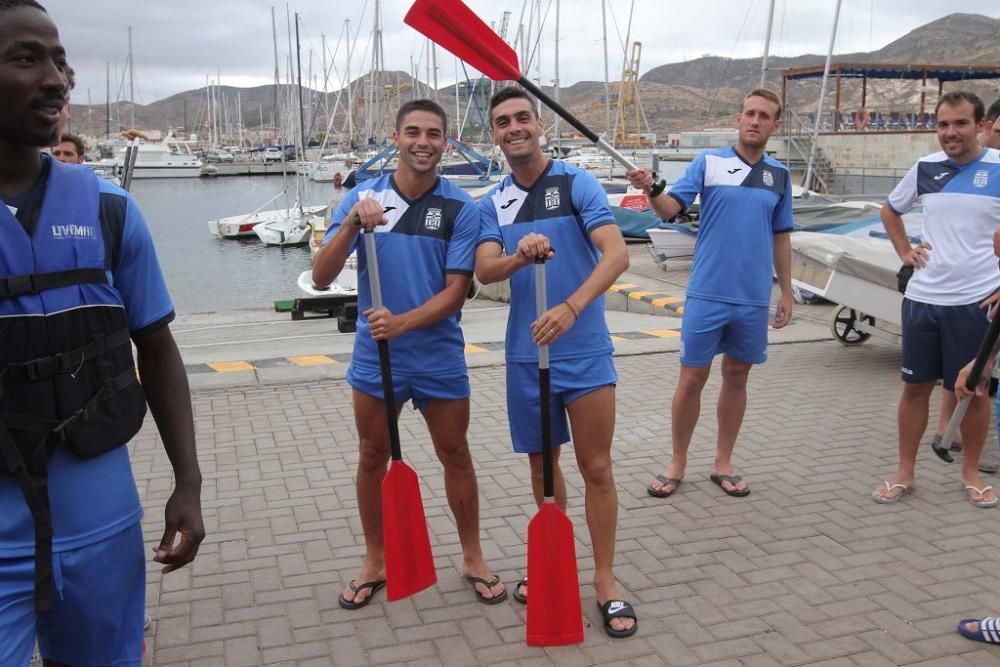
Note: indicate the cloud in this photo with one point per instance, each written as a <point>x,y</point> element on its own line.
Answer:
<point>177,44</point>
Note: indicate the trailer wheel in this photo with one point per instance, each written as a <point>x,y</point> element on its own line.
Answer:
<point>843,326</point>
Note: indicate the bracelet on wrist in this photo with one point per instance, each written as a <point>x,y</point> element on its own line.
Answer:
<point>576,315</point>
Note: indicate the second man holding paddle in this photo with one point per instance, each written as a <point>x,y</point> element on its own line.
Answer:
<point>550,210</point>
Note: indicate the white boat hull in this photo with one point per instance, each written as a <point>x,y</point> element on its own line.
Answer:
<point>325,172</point>
<point>243,226</point>
<point>345,284</point>
<point>166,171</point>
<point>672,243</point>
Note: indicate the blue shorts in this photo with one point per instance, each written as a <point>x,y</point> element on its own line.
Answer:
<point>939,340</point>
<point>100,596</point>
<point>569,379</point>
<point>419,388</point>
<point>711,327</point>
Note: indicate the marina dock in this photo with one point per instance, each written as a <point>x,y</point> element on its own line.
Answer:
<point>807,570</point>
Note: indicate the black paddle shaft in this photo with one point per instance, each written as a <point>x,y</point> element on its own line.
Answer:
<point>388,396</point>
<point>658,187</point>
<point>544,386</point>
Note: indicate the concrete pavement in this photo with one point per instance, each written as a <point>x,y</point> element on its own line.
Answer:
<point>807,570</point>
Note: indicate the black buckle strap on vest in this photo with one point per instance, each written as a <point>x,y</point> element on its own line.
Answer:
<point>33,283</point>
<point>36,493</point>
<point>55,432</point>
<point>34,486</point>
<point>64,362</point>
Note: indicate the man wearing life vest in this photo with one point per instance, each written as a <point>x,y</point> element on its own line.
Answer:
<point>79,282</point>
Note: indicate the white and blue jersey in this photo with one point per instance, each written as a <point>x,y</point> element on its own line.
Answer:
<point>565,204</point>
<point>91,499</point>
<point>961,211</point>
<point>743,206</point>
<point>426,239</point>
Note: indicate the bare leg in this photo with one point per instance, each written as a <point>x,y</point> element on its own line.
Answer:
<point>448,422</point>
<point>685,409</point>
<point>731,408</point>
<point>913,415</point>
<point>369,416</point>
<point>558,481</point>
<point>592,419</point>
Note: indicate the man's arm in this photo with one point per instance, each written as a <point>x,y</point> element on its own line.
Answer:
<point>492,265</point>
<point>916,256</point>
<point>329,261</point>
<point>614,261</point>
<point>665,206</point>
<point>386,325</point>
<point>783,267</point>
<point>165,383</point>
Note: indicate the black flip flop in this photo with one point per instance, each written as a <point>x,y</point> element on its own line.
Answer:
<point>732,479</point>
<point>489,583</point>
<point>663,479</point>
<point>376,586</point>
<point>517,594</point>
<point>618,609</point>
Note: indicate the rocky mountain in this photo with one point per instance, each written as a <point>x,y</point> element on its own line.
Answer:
<point>699,93</point>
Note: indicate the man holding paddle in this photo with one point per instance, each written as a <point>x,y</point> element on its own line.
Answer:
<point>549,210</point>
<point>426,230</point>
<point>746,214</point>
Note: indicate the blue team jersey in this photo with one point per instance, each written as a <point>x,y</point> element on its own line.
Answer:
<point>743,206</point>
<point>426,239</point>
<point>566,204</point>
<point>92,499</point>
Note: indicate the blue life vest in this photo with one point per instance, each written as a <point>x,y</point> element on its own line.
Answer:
<point>67,376</point>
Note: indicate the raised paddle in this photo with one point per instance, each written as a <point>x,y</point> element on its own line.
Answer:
<point>554,615</point>
<point>409,563</point>
<point>457,28</point>
<point>987,348</point>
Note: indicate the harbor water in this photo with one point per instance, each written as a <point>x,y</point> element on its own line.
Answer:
<point>206,274</point>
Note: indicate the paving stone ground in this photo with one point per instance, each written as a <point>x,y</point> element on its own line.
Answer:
<point>807,570</point>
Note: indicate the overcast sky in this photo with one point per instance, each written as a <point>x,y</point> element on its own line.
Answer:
<point>177,43</point>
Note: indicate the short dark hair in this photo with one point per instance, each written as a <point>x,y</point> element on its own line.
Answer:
<point>421,105</point>
<point>81,147</point>
<point>768,95</point>
<point>511,93</point>
<point>7,5</point>
<point>954,98</point>
<point>994,111</point>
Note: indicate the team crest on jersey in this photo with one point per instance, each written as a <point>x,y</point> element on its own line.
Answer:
<point>768,178</point>
<point>551,198</point>
<point>433,219</point>
<point>981,178</point>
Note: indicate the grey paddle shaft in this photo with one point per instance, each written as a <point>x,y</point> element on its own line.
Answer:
<point>544,387</point>
<point>541,299</point>
<point>373,277</point>
<point>955,423</point>
<point>388,396</point>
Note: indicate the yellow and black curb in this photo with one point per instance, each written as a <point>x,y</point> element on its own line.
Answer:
<point>313,360</point>
<point>634,299</point>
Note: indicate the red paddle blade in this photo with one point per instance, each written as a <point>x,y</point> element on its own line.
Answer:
<point>554,614</point>
<point>409,563</point>
<point>457,28</point>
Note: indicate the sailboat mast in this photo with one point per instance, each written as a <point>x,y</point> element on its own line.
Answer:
<point>277,81</point>
<point>822,96</point>
<point>767,44</point>
<point>556,82</point>
<point>298,58</point>
<point>607,90</point>
<point>131,81</point>
<point>350,93</point>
